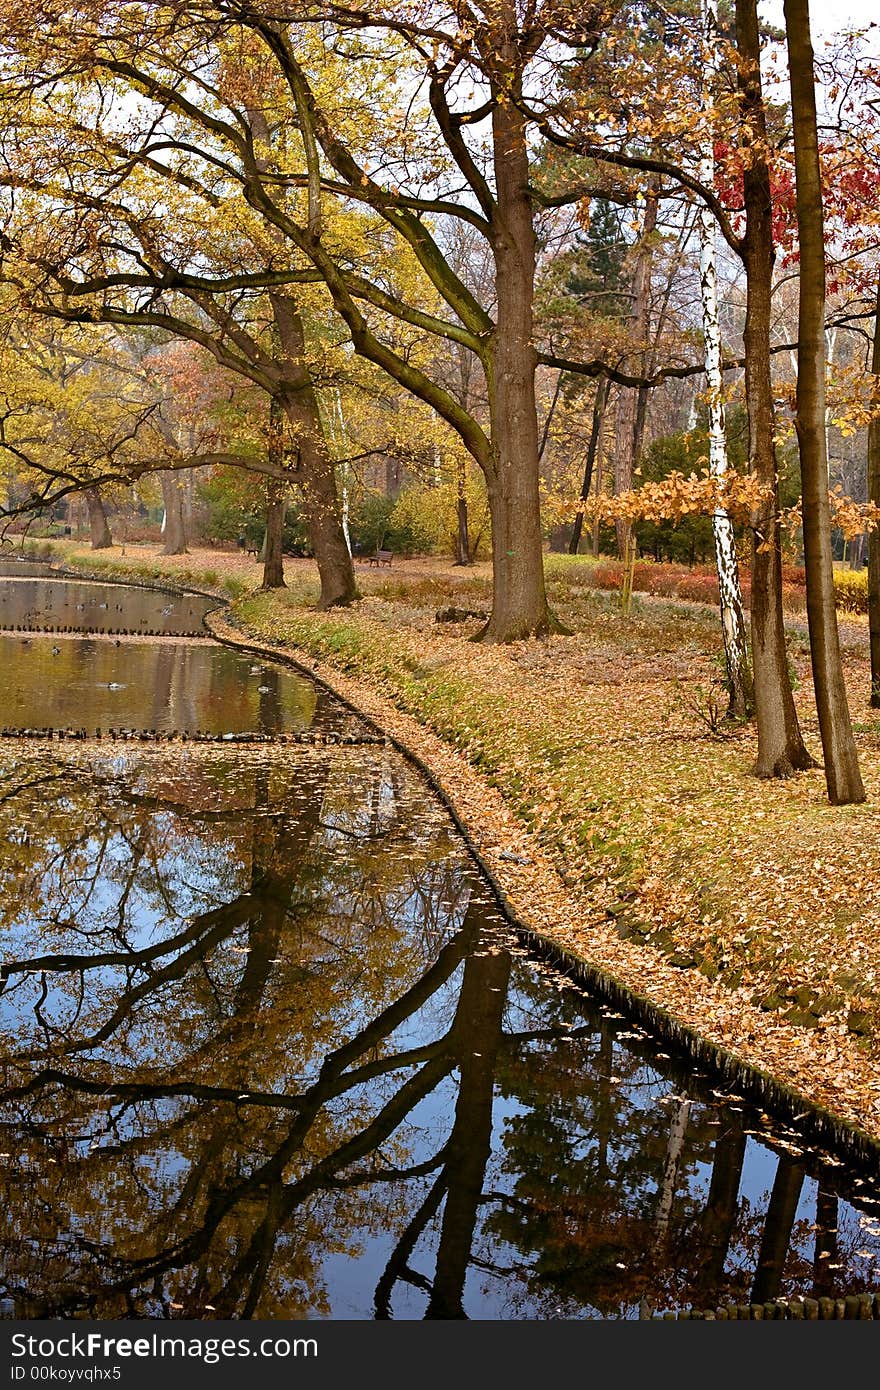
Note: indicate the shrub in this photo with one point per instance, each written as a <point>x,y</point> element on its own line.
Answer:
<point>851,590</point>
<point>699,588</point>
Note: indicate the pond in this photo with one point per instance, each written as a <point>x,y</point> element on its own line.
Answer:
<point>56,604</point>
<point>269,1050</point>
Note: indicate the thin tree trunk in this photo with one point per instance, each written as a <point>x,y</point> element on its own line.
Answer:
<point>781,749</point>
<point>272,552</point>
<point>630,418</point>
<point>874,537</point>
<point>733,619</point>
<point>519,600</point>
<point>599,404</point>
<point>172,498</point>
<point>98,525</point>
<point>842,774</point>
<point>462,538</point>
<point>316,475</point>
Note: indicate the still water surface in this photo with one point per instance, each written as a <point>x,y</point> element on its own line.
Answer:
<point>269,1051</point>
<point>66,682</point>
<point>88,606</point>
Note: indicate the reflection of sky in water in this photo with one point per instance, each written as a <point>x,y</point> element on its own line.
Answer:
<point>372,886</point>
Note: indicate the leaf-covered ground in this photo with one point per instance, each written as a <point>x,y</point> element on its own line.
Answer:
<point>616,820</point>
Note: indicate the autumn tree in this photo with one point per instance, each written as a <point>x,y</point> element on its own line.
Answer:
<point>169,248</point>
<point>655,90</point>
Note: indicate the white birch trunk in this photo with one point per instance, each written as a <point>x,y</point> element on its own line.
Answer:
<point>669,1181</point>
<point>733,624</point>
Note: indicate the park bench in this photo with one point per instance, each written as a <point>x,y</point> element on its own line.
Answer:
<point>381,557</point>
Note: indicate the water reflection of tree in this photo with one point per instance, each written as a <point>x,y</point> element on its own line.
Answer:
<point>254,987</point>
<point>604,1199</point>
<point>234,1060</point>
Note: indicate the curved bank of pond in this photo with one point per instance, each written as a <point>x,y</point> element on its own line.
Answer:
<point>271,1050</point>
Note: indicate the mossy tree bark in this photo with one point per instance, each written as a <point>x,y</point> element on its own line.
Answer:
<point>316,475</point>
<point>172,499</point>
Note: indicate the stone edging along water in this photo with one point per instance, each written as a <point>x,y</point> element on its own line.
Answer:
<point>817,1125</point>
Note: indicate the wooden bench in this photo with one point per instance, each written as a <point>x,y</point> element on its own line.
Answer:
<point>381,557</point>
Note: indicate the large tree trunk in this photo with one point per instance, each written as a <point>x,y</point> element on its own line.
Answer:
<point>172,498</point>
<point>781,749</point>
<point>316,474</point>
<point>296,396</point>
<point>98,524</point>
<point>519,600</point>
<point>273,538</point>
<point>599,404</point>
<point>733,621</point>
<point>874,537</point>
<point>842,774</point>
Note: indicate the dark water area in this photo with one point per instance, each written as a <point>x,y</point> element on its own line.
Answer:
<point>65,682</point>
<point>269,1051</point>
<point>87,606</point>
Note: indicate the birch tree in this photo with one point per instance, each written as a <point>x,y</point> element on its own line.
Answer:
<point>733,621</point>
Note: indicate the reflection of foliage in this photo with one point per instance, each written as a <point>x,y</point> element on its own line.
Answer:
<point>257,1021</point>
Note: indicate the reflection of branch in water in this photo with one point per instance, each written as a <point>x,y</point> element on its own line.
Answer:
<point>214,1117</point>
<point>32,783</point>
<point>210,928</point>
<point>397,1267</point>
<point>337,1076</point>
